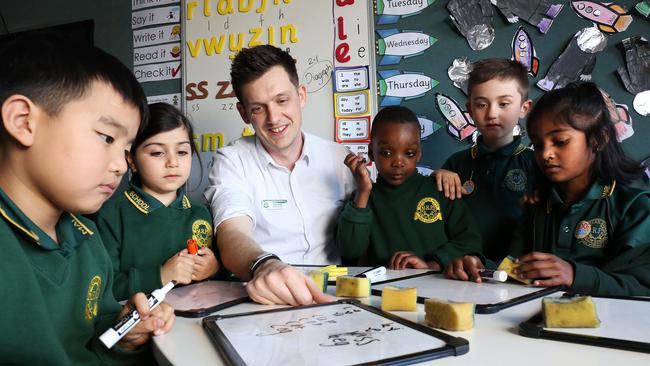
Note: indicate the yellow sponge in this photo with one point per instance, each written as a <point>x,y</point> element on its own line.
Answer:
<point>449,315</point>
<point>347,286</point>
<point>334,271</point>
<point>320,278</point>
<point>399,298</point>
<point>575,312</point>
<point>508,264</point>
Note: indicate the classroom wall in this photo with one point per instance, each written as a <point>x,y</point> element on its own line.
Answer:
<point>113,34</point>
<point>112,20</point>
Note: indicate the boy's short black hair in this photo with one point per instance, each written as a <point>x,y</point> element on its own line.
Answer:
<point>251,63</point>
<point>499,68</point>
<point>393,114</point>
<point>52,69</point>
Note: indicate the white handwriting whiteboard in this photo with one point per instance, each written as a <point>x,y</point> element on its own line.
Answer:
<point>340,333</point>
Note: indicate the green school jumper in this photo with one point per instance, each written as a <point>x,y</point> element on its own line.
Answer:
<point>500,179</point>
<point>141,234</point>
<point>605,236</point>
<point>56,297</point>
<point>414,217</point>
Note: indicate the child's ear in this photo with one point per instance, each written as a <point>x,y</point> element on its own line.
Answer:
<point>370,152</point>
<point>242,113</point>
<point>302,95</point>
<point>131,161</point>
<point>525,108</point>
<point>19,117</point>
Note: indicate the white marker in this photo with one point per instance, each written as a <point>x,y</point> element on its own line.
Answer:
<point>492,274</point>
<point>130,320</point>
<point>373,273</point>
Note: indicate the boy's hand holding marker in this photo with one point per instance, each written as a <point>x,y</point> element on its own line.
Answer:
<point>157,321</point>
<point>544,269</point>
<point>357,165</point>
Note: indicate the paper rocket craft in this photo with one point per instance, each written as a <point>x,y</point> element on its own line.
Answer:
<point>459,123</point>
<point>608,17</point>
<point>523,51</point>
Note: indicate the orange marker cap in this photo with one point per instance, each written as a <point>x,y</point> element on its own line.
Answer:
<point>192,248</point>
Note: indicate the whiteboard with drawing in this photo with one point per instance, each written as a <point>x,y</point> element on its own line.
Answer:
<point>339,333</point>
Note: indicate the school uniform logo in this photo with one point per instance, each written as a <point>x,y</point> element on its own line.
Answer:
<point>592,233</point>
<point>428,211</point>
<point>92,298</point>
<point>516,180</point>
<point>202,233</point>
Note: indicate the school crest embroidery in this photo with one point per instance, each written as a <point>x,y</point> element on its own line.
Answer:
<point>592,233</point>
<point>92,298</point>
<point>515,180</point>
<point>202,233</point>
<point>427,211</point>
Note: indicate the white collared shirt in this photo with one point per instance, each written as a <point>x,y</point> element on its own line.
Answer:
<point>294,213</point>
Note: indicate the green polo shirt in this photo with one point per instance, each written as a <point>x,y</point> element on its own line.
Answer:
<point>501,178</point>
<point>413,216</point>
<point>605,236</point>
<point>141,234</point>
<point>56,297</point>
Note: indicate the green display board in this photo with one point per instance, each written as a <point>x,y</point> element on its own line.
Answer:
<point>450,44</point>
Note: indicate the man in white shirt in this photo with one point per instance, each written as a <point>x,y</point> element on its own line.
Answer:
<point>275,197</point>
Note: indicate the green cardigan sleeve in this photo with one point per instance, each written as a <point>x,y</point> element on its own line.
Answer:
<point>353,231</point>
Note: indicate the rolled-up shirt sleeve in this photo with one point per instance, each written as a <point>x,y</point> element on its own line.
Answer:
<point>228,193</point>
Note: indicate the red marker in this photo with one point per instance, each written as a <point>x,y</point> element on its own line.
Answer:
<point>192,248</point>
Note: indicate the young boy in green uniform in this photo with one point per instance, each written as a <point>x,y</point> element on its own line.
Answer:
<point>401,220</point>
<point>69,112</point>
<point>145,229</point>
<point>590,231</point>
<point>493,175</point>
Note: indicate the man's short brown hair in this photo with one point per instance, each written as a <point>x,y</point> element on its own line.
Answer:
<point>251,63</point>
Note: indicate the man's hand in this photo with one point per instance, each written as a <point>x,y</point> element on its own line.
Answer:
<point>157,321</point>
<point>465,268</point>
<point>278,283</point>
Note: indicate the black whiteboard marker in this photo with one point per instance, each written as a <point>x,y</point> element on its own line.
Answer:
<point>130,320</point>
